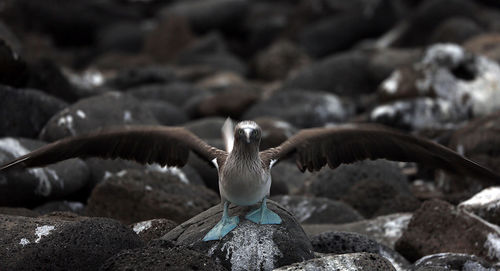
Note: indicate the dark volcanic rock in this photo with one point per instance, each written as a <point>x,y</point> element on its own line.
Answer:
<point>13,70</point>
<point>166,113</point>
<point>249,246</point>
<point>274,131</point>
<point>302,108</point>
<point>176,93</point>
<point>25,111</point>
<point>385,230</point>
<point>277,61</point>
<point>132,77</point>
<point>61,242</point>
<point>311,210</point>
<point>351,261</point>
<point>60,206</point>
<point>204,15</point>
<point>288,173</point>
<point>384,61</point>
<point>121,37</point>
<point>158,258</point>
<point>485,204</point>
<point>341,74</point>
<point>455,30</point>
<point>206,128</point>
<point>154,228</point>
<point>18,211</point>
<point>487,45</point>
<point>97,112</point>
<point>20,186</point>
<point>439,227</point>
<point>347,242</point>
<point>344,29</point>
<point>452,261</point>
<point>218,105</point>
<point>133,196</point>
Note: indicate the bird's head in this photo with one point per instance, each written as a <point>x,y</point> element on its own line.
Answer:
<point>247,132</point>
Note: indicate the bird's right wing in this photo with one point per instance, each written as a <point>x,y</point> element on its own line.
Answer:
<point>145,144</point>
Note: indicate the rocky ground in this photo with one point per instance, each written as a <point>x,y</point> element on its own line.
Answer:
<point>428,67</point>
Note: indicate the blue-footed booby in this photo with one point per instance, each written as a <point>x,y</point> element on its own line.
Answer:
<point>244,170</point>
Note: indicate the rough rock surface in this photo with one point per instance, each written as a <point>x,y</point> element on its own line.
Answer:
<point>133,196</point>
<point>156,258</point>
<point>452,261</point>
<point>351,261</point>
<point>97,112</point>
<point>347,242</point>
<point>313,210</point>
<point>25,186</point>
<point>249,246</point>
<point>154,228</point>
<point>32,108</point>
<point>61,242</point>
<point>439,227</point>
<point>385,230</point>
<point>485,204</point>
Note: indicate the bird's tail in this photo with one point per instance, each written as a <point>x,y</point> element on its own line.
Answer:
<point>228,134</point>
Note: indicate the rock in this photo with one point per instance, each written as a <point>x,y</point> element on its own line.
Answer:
<point>97,112</point>
<point>370,19</point>
<point>384,61</point>
<point>13,70</point>
<point>218,105</point>
<point>351,261</point>
<point>485,204</point>
<point>159,258</point>
<point>211,52</point>
<point>455,30</point>
<point>18,211</point>
<point>346,242</point>
<point>439,227</point>
<point>334,184</point>
<point>385,230</point>
<point>23,187</point>
<point>131,196</point>
<point>133,77</point>
<point>373,197</point>
<point>485,45</point>
<point>206,169</point>
<point>419,113</point>
<point>121,37</point>
<point>176,93</point>
<point>274,131</point>
<point>312,210</point>
<point>207,15</point>
<point>277,61</point>
<point>452,261</point>
<point>61,242</point>
<point>25,111</point>
<point>249,246</point>
<point>294,106</point>
<point>431,14</point>
<point>60,206</point>
<point>166,113</point>
<point>468,83</point>
<point>168,38</point>
<point>341,74</point>
<point>206,128</point>
<point>153,229</point>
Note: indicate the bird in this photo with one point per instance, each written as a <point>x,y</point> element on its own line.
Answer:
<point>244,170</point>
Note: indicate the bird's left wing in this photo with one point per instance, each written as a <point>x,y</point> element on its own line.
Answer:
<point>144,144</point>
<point>317,147</point>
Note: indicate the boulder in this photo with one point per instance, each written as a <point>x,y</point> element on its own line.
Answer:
<point>294,106</point>
<point>97,112</point>
<point>153,229</point>
<point>13,70</point>
<point>439,227</point>
<point>313,210</point>
<point>61,242</point>
<point>485,204</point>
<point>455,30</point>
<point>452,261</point>
<point>25,187</point>
<point>176,93</point>
<point>60,206</point>
<point>350,261</point>
<point>25,111</point>
<point>249,246</point>
<point>278,60</point>
<point>133,195</point>
<point>145,75</point>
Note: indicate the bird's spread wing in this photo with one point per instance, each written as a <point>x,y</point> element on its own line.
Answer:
<point>144,144</point>
<point>317,147</point>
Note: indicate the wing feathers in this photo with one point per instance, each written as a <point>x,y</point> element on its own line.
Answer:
<point>144,144</point>
<point>318,147</point>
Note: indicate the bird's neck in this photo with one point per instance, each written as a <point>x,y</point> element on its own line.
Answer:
<point>245,151</point>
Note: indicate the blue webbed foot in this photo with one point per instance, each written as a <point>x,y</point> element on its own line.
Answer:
<point>263,215</point>
<point>225,225</point>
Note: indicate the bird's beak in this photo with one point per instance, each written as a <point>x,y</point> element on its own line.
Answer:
<point>248,132</point>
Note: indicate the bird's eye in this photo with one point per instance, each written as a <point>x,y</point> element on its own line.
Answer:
<point>240,132</point>
<point>254,133</point>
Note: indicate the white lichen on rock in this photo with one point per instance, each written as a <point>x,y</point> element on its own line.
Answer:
<point>66,120</point>
<point>390,85</point>
<point>488,199</point>
<point>81,114</point>
<point>303,209</point>
<point>24,241</point>
<point>43,231</point>
<point>175,171</point>
<point>142,226</point>
<point>492,244</point>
